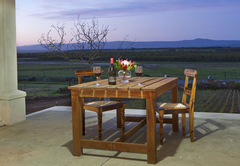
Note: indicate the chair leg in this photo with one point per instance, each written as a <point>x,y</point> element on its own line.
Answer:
<point>183,124</point>
<point>161,113</point>
<point>119,110</point>
<point>83,122</point>
<point>100,124</point>
<point>191,123</point>
<point>119,122</point>
<point>123,117</point>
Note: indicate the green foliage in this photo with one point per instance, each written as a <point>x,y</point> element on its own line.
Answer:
<point>233,85</point>
<point>216,85</point>
<point>118,65</point>
<point>208,54</point>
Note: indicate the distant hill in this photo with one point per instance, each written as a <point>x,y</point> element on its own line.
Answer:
<point>152,44</point>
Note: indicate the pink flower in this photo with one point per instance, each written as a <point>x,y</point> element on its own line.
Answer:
<point>125,64</point>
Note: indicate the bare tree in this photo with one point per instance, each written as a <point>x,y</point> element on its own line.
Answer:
<point>54,46</point>
<point>89,37</point>
<point>90,41</point>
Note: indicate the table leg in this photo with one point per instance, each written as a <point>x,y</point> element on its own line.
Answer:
<point>118,113</point>
<point>77,110</point>
<point>175,116</point>
<point>151,128</point>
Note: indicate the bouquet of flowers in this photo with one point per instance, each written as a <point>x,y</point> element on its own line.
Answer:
<point>125,64</point>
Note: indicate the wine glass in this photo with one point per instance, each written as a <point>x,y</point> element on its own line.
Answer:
<point>139,73</point>
<point>97,71</point>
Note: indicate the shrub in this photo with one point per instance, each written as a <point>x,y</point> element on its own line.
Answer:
<point>216,85</point>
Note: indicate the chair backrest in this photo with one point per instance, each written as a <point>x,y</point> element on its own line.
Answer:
<point>81,73</point>
<point>190,91</point>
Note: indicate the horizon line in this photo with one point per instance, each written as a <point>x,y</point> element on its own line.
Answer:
<point>153,41</point>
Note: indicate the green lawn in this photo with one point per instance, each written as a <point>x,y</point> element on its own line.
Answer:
<point>219,70</point>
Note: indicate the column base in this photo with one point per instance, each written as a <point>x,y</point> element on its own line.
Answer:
<point>12,107</point>
<point>1,124</point>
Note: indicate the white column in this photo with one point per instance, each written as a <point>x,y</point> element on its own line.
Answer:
<point>12,101</point>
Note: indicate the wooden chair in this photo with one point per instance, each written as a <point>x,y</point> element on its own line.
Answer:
<point>99,106</point>
<point>177,108</point>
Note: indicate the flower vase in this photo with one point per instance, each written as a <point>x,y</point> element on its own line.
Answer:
<point>124,75</point>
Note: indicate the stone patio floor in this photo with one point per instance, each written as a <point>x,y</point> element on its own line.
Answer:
<point>45,139</point>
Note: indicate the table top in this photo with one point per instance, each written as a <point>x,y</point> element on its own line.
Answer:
<point>131,89</point>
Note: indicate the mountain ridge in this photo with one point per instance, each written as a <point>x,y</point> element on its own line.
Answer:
<point>198,42</point>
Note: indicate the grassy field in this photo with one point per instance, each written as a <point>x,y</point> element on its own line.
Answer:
<point>225,101</point>
<point>206,100</point>
<point>35,88</point>
<point>219,70</point>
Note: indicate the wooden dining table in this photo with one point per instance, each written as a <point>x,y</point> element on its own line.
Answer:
<point>151,88</point>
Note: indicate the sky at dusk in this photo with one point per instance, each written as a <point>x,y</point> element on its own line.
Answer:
<point>142,20</point>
